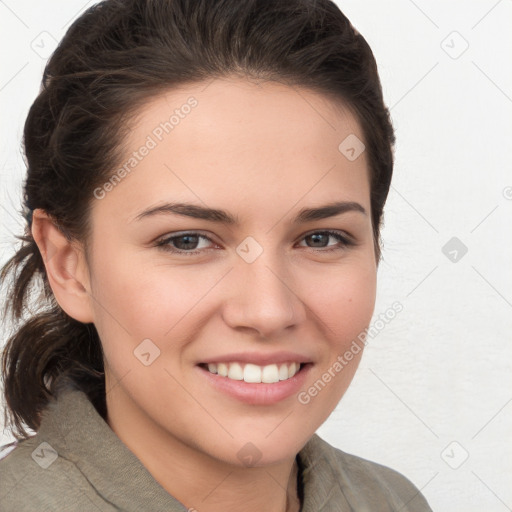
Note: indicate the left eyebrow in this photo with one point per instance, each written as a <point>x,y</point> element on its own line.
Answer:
<point>329,210</point>
<point>224,217</point>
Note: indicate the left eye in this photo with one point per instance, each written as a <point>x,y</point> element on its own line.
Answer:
<point>318,237</point>
<point>187,243</point>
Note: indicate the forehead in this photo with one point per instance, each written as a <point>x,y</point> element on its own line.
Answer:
<point>233,141</point>
<point>244,114</point>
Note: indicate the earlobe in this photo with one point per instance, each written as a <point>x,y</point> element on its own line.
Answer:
<point>65,265</point>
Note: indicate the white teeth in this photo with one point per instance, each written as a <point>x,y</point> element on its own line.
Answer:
<point>235,372</point>
<point>253,373</point>
<point>270,373</point>
<point>283,372</point>
<point>222,369</point>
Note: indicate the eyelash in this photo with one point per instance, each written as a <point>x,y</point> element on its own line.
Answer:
<point>164,243</point>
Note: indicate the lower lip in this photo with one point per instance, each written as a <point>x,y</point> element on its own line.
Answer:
<point>258,393</point>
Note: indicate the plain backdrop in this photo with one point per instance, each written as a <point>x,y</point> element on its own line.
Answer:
<point>433,395</point>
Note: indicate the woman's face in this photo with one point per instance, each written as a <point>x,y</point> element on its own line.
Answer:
<point>270,287</point>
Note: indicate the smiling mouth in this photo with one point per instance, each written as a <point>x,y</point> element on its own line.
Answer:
<point>253,373</point>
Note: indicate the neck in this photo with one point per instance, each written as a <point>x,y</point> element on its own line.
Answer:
<point>200,482</point>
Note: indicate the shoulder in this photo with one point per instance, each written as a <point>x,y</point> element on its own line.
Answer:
<point>381,486</point>
<point>33,477</point>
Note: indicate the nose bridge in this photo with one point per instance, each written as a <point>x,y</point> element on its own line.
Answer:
<point>263,296</point>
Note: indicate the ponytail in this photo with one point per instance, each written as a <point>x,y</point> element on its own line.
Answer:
<point>44,350</point>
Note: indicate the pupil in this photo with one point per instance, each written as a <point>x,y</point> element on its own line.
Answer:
<point>316,237</point>
<point>189,240</point>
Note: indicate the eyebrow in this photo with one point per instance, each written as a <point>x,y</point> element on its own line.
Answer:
<point>224,217</point>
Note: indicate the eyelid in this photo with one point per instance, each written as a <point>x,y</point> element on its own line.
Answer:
<point>345,239</point>
<point>162,241</point>
<point>340,232</point>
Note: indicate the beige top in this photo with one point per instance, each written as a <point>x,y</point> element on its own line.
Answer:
<point>77,463</point>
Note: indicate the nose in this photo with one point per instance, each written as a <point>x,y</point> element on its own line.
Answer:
<point>263,298</point>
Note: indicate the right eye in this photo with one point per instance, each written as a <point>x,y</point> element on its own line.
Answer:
<point>185,243</point>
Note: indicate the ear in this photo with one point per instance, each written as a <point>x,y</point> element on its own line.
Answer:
<point>65,265</point>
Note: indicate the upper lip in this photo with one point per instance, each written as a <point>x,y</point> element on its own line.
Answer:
<point>259,358</point>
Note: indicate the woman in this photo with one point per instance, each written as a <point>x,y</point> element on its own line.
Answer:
<point>205,187</point>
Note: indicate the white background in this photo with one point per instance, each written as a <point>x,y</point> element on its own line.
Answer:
<point>434,385</point>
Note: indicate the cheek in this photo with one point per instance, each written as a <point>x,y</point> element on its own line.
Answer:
<point>344,304</point>
<point>343,300</point>
<point>146,302</point>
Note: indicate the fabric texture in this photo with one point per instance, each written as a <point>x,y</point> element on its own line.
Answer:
<point>76,462</point>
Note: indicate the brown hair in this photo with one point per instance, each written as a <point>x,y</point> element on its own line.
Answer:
<point>113,58</point>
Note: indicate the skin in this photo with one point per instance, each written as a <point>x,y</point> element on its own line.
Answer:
<point>262,151</point>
